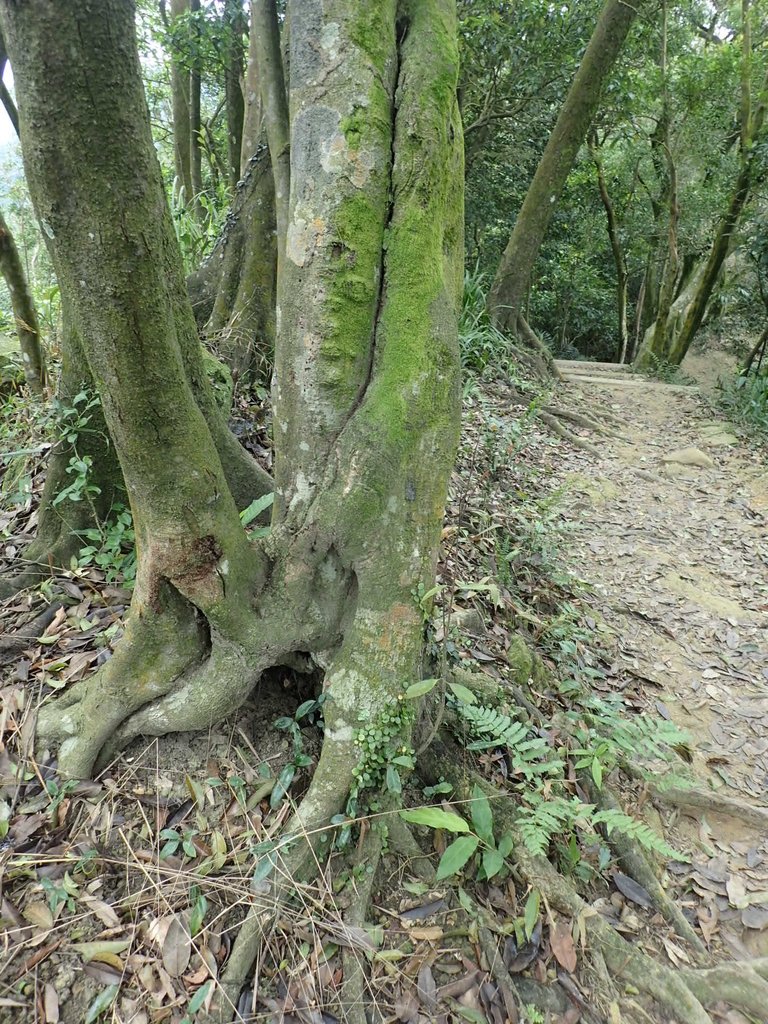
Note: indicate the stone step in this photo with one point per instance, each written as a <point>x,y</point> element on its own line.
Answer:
<point>582,366</point>
<point>628,382</point>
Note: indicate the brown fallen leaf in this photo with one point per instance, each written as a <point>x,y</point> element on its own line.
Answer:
<point>50,1005</point>
<point>177,948</point>
<point>561,941</point>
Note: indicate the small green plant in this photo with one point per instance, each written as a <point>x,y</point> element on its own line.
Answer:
<point>308,713</point>
<point>475,838</point>
<point>480,343</point>
<point>175,841</point>
<point>61,893</point>
<point>112,548</point>
<point>745,399</point>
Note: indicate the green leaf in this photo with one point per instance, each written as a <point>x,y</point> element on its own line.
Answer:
<point>597,772</point>
<point>469,1013</point>
<point>482,815</point>
<point>493,862</point>
<point>197,916</point>
<point>531,912</point>
<point>199,997</point>
<point>283,784</point>
<point>419,689</point>
<point>101,1003</point>
<point>305,708</point>
<point>394,784</point>
<point>505,845</point>
<point>463,693</point>
<point>434,817</point>
<point>456,856</point>
<point>256,508</point>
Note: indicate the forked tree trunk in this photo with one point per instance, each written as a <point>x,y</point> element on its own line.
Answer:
<point>24,313</point>
<point>366,395</point>
<point>234,293</point>
<point>507,294</point>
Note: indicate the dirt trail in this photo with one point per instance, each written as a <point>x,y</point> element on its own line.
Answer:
<point>677,557</point>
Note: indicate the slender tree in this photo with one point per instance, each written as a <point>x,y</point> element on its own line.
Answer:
<point>510,285</point>
<point>617,249</point>
<point>234,26</point>
<point>252,97</point>
<point>182,146</point>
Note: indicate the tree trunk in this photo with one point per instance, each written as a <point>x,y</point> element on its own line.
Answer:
<point>180,101</point>
<point>507,293</point>
<point>233,87</point>
<point>234,292</point>
<point>366,370</point>
<point>274,103</point>
<point>5,97</point>
<point>195,120</point>
<point>252,115</point>
<point>24,313</point>
<point>680,342</point>
<point>619,259</point>
<point>676,325</point>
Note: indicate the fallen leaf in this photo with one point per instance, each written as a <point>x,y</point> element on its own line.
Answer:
<point>177,948</point>
<point>561,941</point>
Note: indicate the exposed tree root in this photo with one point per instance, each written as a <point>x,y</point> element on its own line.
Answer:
<point>353,1001</point>
<point>636,864</point>
<point>15,642</point>
<point>683,995</point>
<point>562,431</point>
<point>698,800</point>
<point>579,420</point>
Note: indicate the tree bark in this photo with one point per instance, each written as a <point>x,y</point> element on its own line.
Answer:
<point>195,120</point>
<point>678,323</point>
<point>274,103</point>
<point>5,97</point>
<point>24,313</point>
<point>619,259</point>
<point>180,102</point>
<point>506,296</point>
<point>367,370</point>
<point>234,292</point>
<point>252,116</point>
<point>233,87</point>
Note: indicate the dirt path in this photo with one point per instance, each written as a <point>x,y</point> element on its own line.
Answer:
<point>677,557</point>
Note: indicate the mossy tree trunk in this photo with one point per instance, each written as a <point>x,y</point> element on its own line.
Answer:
<point>366,392</point>
<point>507,294</point>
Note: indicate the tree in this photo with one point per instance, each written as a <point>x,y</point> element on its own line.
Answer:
<point>507,294</point>
<point>25,315</point>
<point>683,301</point>
<point>366,392</point>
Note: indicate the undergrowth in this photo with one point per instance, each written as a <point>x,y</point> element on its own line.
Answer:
<point>745,400</point>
